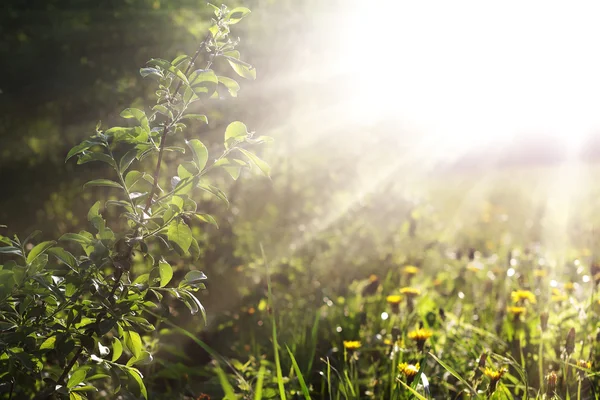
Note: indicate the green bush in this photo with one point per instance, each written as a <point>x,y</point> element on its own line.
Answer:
<point>74,312</point>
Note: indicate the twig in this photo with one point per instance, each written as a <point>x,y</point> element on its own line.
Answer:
<point>163,139</point>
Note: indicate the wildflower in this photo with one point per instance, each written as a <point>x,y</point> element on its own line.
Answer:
<point>251,310</point>
<point>410,292</point>
<point>393,299</point>
<point>558,297</point>
<point>352,344</point>
<point>540,273</point>
<point>410,270</point>
<point>569,287</point>
<point>516,311</point>
<point>495,376</point>
<point>391,342</point>
<point>372,286</point>
<point>519,296</point>
<point>409,370</point>
<point>394,302</point>
<point>584,364</point>
<point>551,380</point>
<point>420,336</point>
<point>474,267</point>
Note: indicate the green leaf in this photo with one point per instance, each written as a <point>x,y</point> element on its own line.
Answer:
<point>11,250</point>
<point>117,348</point>
<point>144,358</point>
<point>180,59</point>
<point>195,250</point>
<point>179,233</point>
<point>39,249</point>
<point>206,218</point>
<point>48,343</point>
<point>137,377</point>
<point>139,115</point>
<point>133,342</point>
<point>235,133</point>
<point>234,16</point>
<point>64,256</point>
<point>96,156</point>
<point>241,68</point>
<point>102,182</point>
<point>198,117</point>
<point>150,72</point>
<point>7,283</point>
<point>232,166</point>
<point>187,169</point>
<point>75,237</point>
<point>127,159</point>
<point>200,153</point>
<point>77,377</point>
<point>192,278</point>
<point>166,273</point>
<point>86,144</point>
<point>232,86</point>
<point>86,388</point>
<point>262,165</point>
<point>215,191</point>
<point>203,81</point>
<point>163,110</point>
<point>164,64</point>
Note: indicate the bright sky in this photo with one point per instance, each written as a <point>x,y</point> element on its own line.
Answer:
<point>470,73</point>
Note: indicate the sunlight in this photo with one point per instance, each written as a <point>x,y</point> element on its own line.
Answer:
<point>471,74</point>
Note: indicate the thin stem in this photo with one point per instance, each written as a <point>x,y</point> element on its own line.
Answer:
<point>163,139</point>
<point>120,175</point>
<point>70,365</point>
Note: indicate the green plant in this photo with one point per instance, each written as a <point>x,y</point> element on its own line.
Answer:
<point>73,325</point>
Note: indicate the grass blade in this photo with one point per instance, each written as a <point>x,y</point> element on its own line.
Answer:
<point>227,388</point>
<point>413,391</point>
<point>273,322</point>
<point>259,383</point>
<point>303,386</point>
<point>454,373</point>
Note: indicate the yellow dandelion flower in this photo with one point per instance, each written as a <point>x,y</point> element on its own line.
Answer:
<point>473,267</point>
<point>390,342</point>
<point>584,364</point>
<point>409,370</point>
<point>410,291</point>
<point>420,336</point>
<point>569,287</point>
<point>540,273</point>
<point>393,299</point>
<point>352,344</point>
<point>516,311</point>
<point>410,270</point>
<point>493,374</point>
<point>559,297</point>
<point>556,292</point>
<point>518,296</point>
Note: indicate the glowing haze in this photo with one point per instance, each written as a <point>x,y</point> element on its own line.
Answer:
<point>469,74</point>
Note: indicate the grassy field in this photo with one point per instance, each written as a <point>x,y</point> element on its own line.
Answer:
<point>482,285</point>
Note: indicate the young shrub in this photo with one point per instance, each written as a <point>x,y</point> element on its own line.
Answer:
<point>74,322</point>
